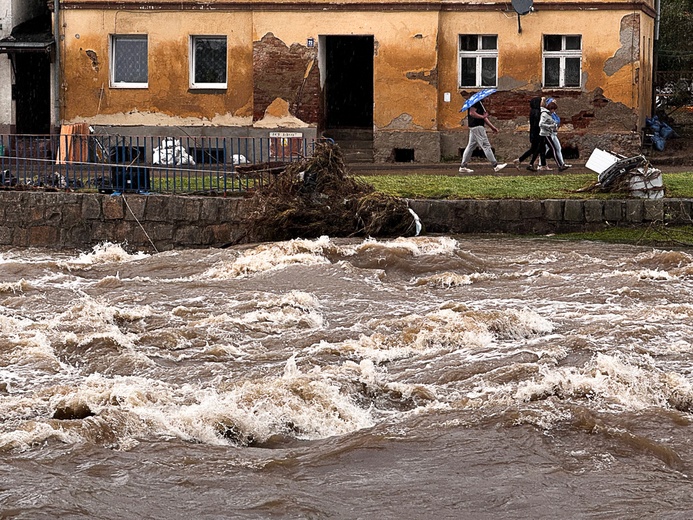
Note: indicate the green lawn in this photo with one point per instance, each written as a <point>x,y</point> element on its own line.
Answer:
<point>677,185</point>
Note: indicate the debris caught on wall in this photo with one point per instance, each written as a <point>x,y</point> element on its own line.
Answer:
<point>318,196</point>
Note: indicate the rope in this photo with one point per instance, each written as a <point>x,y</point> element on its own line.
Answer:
<point>140,224</point>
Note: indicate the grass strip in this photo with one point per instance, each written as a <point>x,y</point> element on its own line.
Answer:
<point>677,185</point>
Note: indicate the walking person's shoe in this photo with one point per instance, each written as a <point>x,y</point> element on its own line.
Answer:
<point>516,163</point>
<point>564,167</point>
<point>544,168</point>
<point>498,167</point>
<point>464,169</point>
<point>532,168</point>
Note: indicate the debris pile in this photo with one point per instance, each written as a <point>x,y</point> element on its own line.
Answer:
<point>317,196</point>
<point>619,174</point>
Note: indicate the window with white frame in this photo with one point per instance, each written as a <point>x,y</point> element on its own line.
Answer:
<point>129,60</point>
<point>478,60</point>
<point>208,62</point>
<point>562,60</point>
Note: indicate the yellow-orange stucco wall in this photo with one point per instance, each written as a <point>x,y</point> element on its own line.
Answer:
<point>87,94</point>
<point>415,62</point>
<point>520,64</point>
<point>404,45</point>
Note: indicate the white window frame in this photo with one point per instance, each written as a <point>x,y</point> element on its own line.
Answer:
<point>561,55</point>
<point>478,55</point>
<point>113,52</point>
<point>193,57</point>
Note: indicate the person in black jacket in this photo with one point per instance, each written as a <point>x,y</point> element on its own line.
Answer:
<point>535,140</point>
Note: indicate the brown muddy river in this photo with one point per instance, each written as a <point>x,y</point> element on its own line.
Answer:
<point>417,378</point>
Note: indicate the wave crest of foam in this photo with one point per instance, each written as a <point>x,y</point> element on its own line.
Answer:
<point>104,253</point>
<point>272,256</point>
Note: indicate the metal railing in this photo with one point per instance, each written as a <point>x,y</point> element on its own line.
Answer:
<point>113,163</point>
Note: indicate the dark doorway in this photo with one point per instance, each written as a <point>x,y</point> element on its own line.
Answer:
<point>32,92</point>
<point>348,82</point>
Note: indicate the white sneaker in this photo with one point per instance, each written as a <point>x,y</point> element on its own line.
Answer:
<point>544,168</point>
<point>498,167</point>
<point>466,170</point>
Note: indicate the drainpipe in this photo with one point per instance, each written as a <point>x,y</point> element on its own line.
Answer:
<point>655,54</point>
<point>56,72</point>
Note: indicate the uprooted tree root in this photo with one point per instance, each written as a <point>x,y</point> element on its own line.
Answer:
<point>318,196</point>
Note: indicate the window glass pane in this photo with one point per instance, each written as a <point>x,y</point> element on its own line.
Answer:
<point>552,72</point>
<point>572,72</point>
<point>210,60</point>
<point>468,72</point>
<point>488,72</point>
<point>469,42</point>
<point>552,43</point>
<point>489,42</point>
<point>572,43</point>
<point>130,57</point>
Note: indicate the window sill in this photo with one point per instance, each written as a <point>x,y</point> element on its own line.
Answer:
<point>129,85</point>
<point>209,86</point>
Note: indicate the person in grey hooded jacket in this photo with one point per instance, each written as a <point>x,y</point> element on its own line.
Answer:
<point>548,130</point>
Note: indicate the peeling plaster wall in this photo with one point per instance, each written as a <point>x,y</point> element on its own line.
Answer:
<point>168,100</point>
<point>404,62</point>
<point>607,109</point>
<point>275,81</point>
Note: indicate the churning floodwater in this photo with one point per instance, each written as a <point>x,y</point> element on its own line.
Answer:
<point>417,378</point>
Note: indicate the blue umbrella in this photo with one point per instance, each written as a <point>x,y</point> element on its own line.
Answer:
<point>475,98</point>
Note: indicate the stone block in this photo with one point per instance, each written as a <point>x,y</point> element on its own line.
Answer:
<point>43,236</point>
<point>594,211</point>
<point>653,210</point>
<point>678,211</point>
<point>91,207</point>
<point>613,210</point>
<point>157,208</point>
<point>510,210</point>
<point>634,210</point>
<point>574,211</point>
<point>6,235</point>
<point>487,210</point>
<point>553,210</point>
<point>71,214</point>
<point>113,208</point>
<point>209,211</point>
<point>188,236</point>
<point>185,209</point>
<point>159,231</point>
<point>135,207</point>
<point>20,238</point>
<point>531,209</point>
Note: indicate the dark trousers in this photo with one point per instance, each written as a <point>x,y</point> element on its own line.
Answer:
<point>537,148</point>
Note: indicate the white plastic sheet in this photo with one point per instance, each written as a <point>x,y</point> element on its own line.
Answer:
<point>171,152</point>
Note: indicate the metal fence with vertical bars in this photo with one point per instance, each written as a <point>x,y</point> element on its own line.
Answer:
<point>176,164</point>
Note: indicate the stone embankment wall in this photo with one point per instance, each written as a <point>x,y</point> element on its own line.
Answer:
<point>541,217</point>
<point>63,220</point>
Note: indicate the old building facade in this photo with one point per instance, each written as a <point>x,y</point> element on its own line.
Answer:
<point>390,75</point>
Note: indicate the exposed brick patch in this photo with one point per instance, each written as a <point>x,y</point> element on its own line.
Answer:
<point>429,76</point>
<point>289,73</point>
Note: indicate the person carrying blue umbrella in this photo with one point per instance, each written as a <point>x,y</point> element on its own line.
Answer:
<point>477,118</point>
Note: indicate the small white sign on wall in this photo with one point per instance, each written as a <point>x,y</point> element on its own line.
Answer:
<point>285,135</point>
<point>446,97</point>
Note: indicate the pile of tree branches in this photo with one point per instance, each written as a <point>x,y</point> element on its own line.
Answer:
<point>318,196</point>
